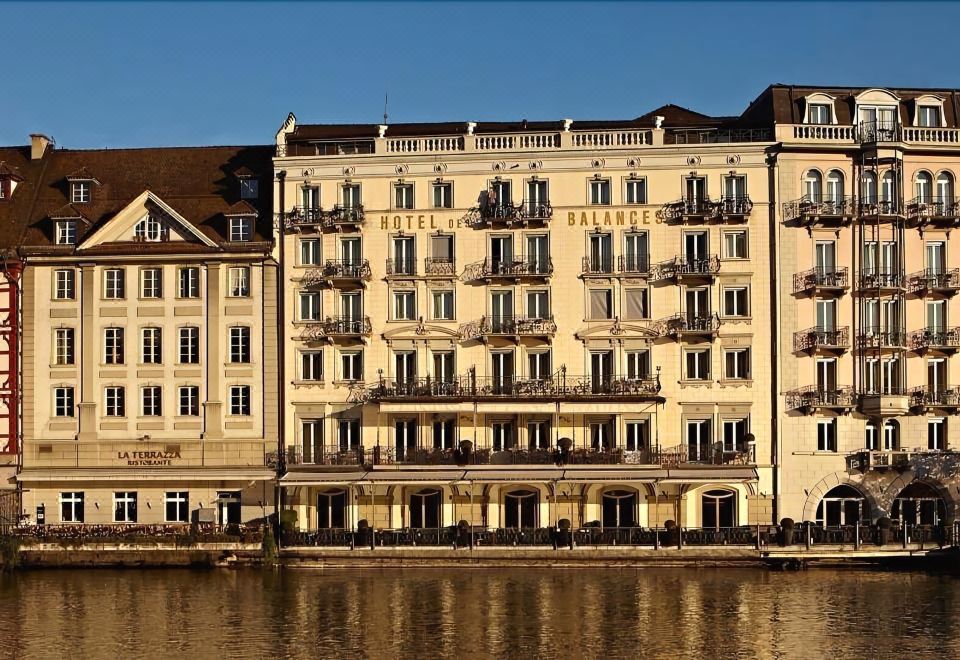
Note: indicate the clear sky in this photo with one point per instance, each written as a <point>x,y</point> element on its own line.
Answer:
<point>116,74</point>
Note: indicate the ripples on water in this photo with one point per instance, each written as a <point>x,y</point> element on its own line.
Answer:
<point>429,613</point>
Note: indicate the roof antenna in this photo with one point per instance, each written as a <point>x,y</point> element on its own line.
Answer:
<point>384,107</point>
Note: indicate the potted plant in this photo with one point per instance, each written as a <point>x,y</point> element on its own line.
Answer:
<point>563,532</point>
<point>563,450</point>
<point>364,533</point>
<point>463,534</point>
<point>462,454</point>
<point>786,531</point>
<point>672,536</point>
<point>884,526</point>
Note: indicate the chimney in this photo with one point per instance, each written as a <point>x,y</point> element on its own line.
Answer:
<point>38,145</point>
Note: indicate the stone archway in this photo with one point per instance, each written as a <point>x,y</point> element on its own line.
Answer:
<point>825,485</point>
<point>904,480</point>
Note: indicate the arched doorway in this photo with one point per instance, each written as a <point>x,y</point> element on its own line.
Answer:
<point>332,509</point>
<point>919,504</point>
<point>520,508</point>
<point>619,508</point>
<point>425,509</point>
<point>718,509</point>
<point>842,505</point>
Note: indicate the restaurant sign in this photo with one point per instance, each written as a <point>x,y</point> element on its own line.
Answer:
<point>149,458</point>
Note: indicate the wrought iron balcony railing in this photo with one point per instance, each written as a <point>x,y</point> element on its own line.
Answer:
<point>515,267</point>
<point>878,131</point>
<point>689,209</point>
<point>625,264</point>
<point>880,279</point>
<point>734,207</point>
<point>506,212</point>
<point>926,397</point>
<point>325,454</point>
<point>818,337</point>
<point>819,210</point>
<point>684,266</point>
<point>401,267</point>
<point>508,326</point>
<point>300,216</point>
<point>935,338</point>
<point>881,338</point>
<point>680,325</point>
<point>813,397</point>
<point>338,270</point>
<point>921,210</point>
<point>336,327</point>
<point>439,267</point>
<point>819,278</point>
<point>870,207</point>
<point>934,280</point>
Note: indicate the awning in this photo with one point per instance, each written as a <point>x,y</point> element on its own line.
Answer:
<point>707,475</point>
<point>647,476</point>
<point>516,408</point>
<point>164,474</point>
<point>408,407</point>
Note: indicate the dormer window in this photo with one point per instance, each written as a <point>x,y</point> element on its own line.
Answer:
<point>241,229</point>
<point>66,232</point>
<point>249,188</point>
<point>819,113</point>
<point>149,228</point>
<point>928,116</point>
<point>80,192</point>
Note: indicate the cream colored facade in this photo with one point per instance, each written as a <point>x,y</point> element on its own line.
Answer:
<point>515,416</point>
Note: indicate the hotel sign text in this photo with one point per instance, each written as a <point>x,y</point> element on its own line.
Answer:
<point>581,218</point>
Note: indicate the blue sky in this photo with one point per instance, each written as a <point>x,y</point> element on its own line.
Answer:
<point>115,74</point>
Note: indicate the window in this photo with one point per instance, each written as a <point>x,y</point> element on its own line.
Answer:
<point>311,440</point>
<point>638,435</point>
<point>827,435</point>
<point>834,192</point>
<point>239,399</point>
<point>404,306</point>
<point>735,301</point>
<point>348,433</point>
<point>636,254</point>
<point>818,113</point>
<point>736,364</point>
<point>80,192</point>
<point>442,195</point>
<point>63,402</point>
<point>63,346</point>
<point>735,245</point>
<point>152,346</point>
<point>928,115</point>
<point>309,306</point>
<point>443,305</point>
<point>239,281</point>
<point>311,365</point>
<point>64,284</point>
<point>71,507</point>
<point>114,284</point>
<point>149,228</point>
<point>638,365</point>
<point>310,196</point>
<point>636,191</point>
<point>600,191</point>
<point>115,402</point>
<point>309,252</point>
<point>601,304</point>
<point>351,365</point>
<point>113,349</point>
<point>945,188</point>
<point>240,344</point>
<point>189,401</point>
<point>538,304</point>
<point>404,261</point>
<point>936,433</point>
<point>538,365</point>
<point>697,365</point>
<point>176,506</point>
<point>403,196</point>
<point>924,187</point>
<point>125,507</point>
<point>813,186</point>
<point>241,229</point>
<point>151,283</point>
<point>351,195</point>
<point>189,349</point>
<point>734,431</point>
<point>66,232</point>
<point>636,304</point>
<point>189,282</point>
<point>249,188</point>
<point>151,401</point>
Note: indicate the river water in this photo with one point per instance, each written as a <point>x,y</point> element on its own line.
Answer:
<point>424,613</point>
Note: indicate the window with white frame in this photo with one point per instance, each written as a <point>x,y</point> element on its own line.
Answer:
<point>735,301</point>
<point>539,365</point>
<point>309,306</point>
<point>736,364</point>
<point>239,282</point>
<point>114,284</point>
<point>71,507</point>
<point>64,284</point>
<point>151,401</point>
<point>188,398</point>
<point>638,435</point>
<point>176,506</point>
<point>443,305</point>
<point>351,195</point>
<point>64,353</point>
<point>735,244</point>
<point>311,440</point>
<point>442,195</point>
<point>638,364</point>
<point>125,506</point>
<point>151,282</point>
<point>150,228</point>
<point>928,116</point>
<point>63,401</point>
<point>240,344</point>
<point>734,432</point>
<point>151,344</point>
<point>348,433</point>
<point>189,277</point>
<point>189,345</point>
<point>827,435</point>
<point>351,365</point>
<point>936,433</point>
<point>310,197</point>
<point>818,113</point>
<point>241,228</point>
<point>311,365</point>
<point>600,192</point>
<point>404,306</point>
<point>636,304</point>
<point>697,364</point>
<point>114,401</point>
<point>66,232</point>
<point>239,399</point>
<point>403,196</point>
<point>636,191</point>
<point>113,349</point>
<point>309,252</point>
<point>79,192</point>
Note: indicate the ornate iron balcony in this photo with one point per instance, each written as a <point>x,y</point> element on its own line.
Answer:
<point>508,213</point>
<point>880,208</point>
<point>878,131</point>
<point>439,267</point>
<point>816,338</point>
<point>881,338</point>
<point>817,210</point>
<point>942,339</point>
<point>933,210</point>
<point>632,264</point>
<point>684,325</point>
<point>511,268</point>
<point>336,271</point>
<point>880,279</point>
<point>813,397</point>
<point>508,326</point>
<point>686,267</point>
<point>818,279</point>
<point>333,454</point>
<point>926,398</point>
<point>934,280</point>
<point>337,327</point>
<point>317,218</point>
<point>401,267</point>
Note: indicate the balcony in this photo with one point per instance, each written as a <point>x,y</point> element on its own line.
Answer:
<point>401,268</point>
<point>338,273</point>
<point>506,214</point>
<point>510,327</point>
<point>897,459</point>
<point>689,327</point>
<point>817,212</point>
<point>716,453</point>
<point>886,281</point>
<point>339,218</point>
<point>884,210</point>
<point>822,340</point>
<point>686,269</point>
<point>872,132</point>
<point>734,209</point>
<point>935,282</point>
<point>821,283</point>
<point>324,455</point>
<point>439,267</point>
<point>874,338</point>
<point>895,401</point>
<point>935,340</point>
<point>336,328</point>
<point>513,269</point>
<point>627,265</point>
<point>692,211</point>
<point>939,212</point>
<point>812,399</point>
<point>945,400</point>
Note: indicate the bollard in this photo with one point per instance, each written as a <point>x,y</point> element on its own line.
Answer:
<point>856,537</point>
<point>656,538</point>
<point>806,528</point>
<point>904,535</point>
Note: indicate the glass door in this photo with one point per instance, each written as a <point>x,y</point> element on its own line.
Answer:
<point>501,254</point>
<point>635,252</point>
<point>538,255</point>
<point>405,439</point>
<point>698,440</point>
<point>826,259</point>
<point>501,312</point>
<point>936,258</point>
<point>503,372</point>
<point>404,258</point>
<point>601,253</point>
<point>601,371</point>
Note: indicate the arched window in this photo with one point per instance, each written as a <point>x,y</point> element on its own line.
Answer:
<point>834,191</point>
<point>945,190</point>
<point>888,187</point>
<point>918,504</point>
<point>891,435</point>
<point>520,509</point>
<point>813,186</point>
<point>842,505</point>
<point>868,188</point>
<point>331,509</point>
<point>718,509</point>
<point>924,188</point>
<point>425,509</point>
<point>620,508</point>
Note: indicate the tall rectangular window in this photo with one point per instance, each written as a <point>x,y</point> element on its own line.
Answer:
<point>241,229</point>
<point>635,304</point>
<point>636,191</point>
<point>240,344</point>
<point>310,196</point>
<point>600,192</point>
<point>114,284</point>
<point>403,196</point>
<point>735,301</point>
<point>351,365</point>
<point>189,349</point>
<point>936,433</point>
<point>125,507</point>
<point>735,244</point>
<point>115,402</point>
<point>309,252</point>
<point>176,505</point>
<point>71,507</point>
<point>309,306</point>
<point>64,284</point>
<point>311,440</point>
<point>151,401</point>
<point>697,365</point>
<point>239,399</point>
<point>188,400</point>
<point>404,306</point>
<point>736,364</point>
<point>189,282</point>
<point>827,435</point>
<point>239,282</point>
<point>442,195</point>
<point>151,342</point>
<point>638,435</point>
<point>538,365</point>
<point>443,305</point>
<point>734,432</point>
<point>113,348</point>
<point>351,195</point>
<point>63,402</point>
<point>311,365</point>
<point>638,364</point>
<point>151,283</point>
<point>64,348</point>
<point>601,304</point>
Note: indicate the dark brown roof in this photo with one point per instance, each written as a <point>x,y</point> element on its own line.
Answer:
<point>68,211</point>
<point>7,172</point>
<point>243,207</point>
<point>15,210</point>
<point>199,183</point>
<point>81,175</point>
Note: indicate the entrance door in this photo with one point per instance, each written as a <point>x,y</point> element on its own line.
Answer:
<point>717,509</point>
<point>331,509</point>
<point>425,509</point>
<point>843,505</point>
<point>520,509</point>
<point>619,508</point>
<point>228,507</point>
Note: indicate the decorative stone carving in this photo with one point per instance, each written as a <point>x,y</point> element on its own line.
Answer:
<point>693,161</point>
<point>349,170</point>
<point>733,159</point>
<point>440,168</point>
<point>499,166</point>
<point>633,162</point>
<point>598,163</point>
<point>402,169</point>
